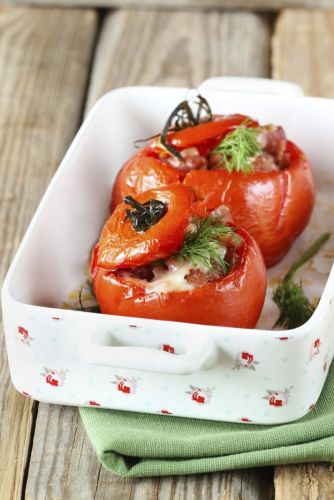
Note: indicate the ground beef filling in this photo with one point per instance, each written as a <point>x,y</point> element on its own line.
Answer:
<point>198,277</point>
<point>192,160</point>
<point>274,155</point>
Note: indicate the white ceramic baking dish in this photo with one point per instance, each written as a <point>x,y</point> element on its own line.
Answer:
<point>79,358</point>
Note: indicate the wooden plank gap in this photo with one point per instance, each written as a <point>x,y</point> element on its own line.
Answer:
<point>101,15</point>
<point>34,411</point>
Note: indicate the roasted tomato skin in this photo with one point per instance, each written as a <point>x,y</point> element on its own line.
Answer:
<point>274,207</point>
<point>142,172</point>
<point>208,135</point>
<point>120,246</point>
<point>236,300</point>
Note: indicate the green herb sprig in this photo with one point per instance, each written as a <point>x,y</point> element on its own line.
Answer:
<point>202,245</point>
<point>237,148</point>
<point>295,308</point>
<point>92,308</point>
<point>86,300</point>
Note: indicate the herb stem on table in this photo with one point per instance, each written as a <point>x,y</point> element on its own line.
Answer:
<point>295,308</point>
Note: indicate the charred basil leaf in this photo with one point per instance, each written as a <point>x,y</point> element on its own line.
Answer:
<point>183,117</point>
<point>144,215</point>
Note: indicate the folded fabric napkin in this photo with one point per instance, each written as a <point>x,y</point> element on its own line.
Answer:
<point>137,445</point>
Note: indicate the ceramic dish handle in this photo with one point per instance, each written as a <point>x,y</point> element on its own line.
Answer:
<point>199,354</point>
<point>246,85</point>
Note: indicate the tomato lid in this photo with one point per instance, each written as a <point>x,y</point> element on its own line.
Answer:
<point>122,246</point>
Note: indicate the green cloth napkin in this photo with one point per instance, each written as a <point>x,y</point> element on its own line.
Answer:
<point>136,445</point>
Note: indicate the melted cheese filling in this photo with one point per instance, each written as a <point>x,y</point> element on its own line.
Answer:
<point>173,279</point>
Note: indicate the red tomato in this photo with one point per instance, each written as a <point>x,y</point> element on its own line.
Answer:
<point>274,206</point>
<point>235,300</point>
<point>141,173</point>
<point>120,246</point>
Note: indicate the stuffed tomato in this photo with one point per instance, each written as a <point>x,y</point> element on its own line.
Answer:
<point>264,179</point>
<point>174,266</point>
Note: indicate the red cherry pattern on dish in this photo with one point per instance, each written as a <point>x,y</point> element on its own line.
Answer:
<point>200,395</point>
<point>315,349</point>
<point>55,378</point>
<point>24,336</point>
<point>126,385</point>
<point>278,398</point>
<point>168,348</point>
<point>245,360</point>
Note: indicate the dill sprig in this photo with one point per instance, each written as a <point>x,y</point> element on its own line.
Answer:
<point>202,243</point>
<point>82,307</point>
<point>295,308</point>
<point>86,300</point>
<point>237,148</point>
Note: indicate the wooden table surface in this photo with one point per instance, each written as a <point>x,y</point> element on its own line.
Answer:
<point>54,64</point>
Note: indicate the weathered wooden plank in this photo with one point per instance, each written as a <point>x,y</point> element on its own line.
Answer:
<point>155,48</point>
<point>178,48</point>
<point>307,61</point>
<point>311,481</point>
<point>268,5</point>
<point>244,484</point>
<point>44,56</point>
<point>63,465</point>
